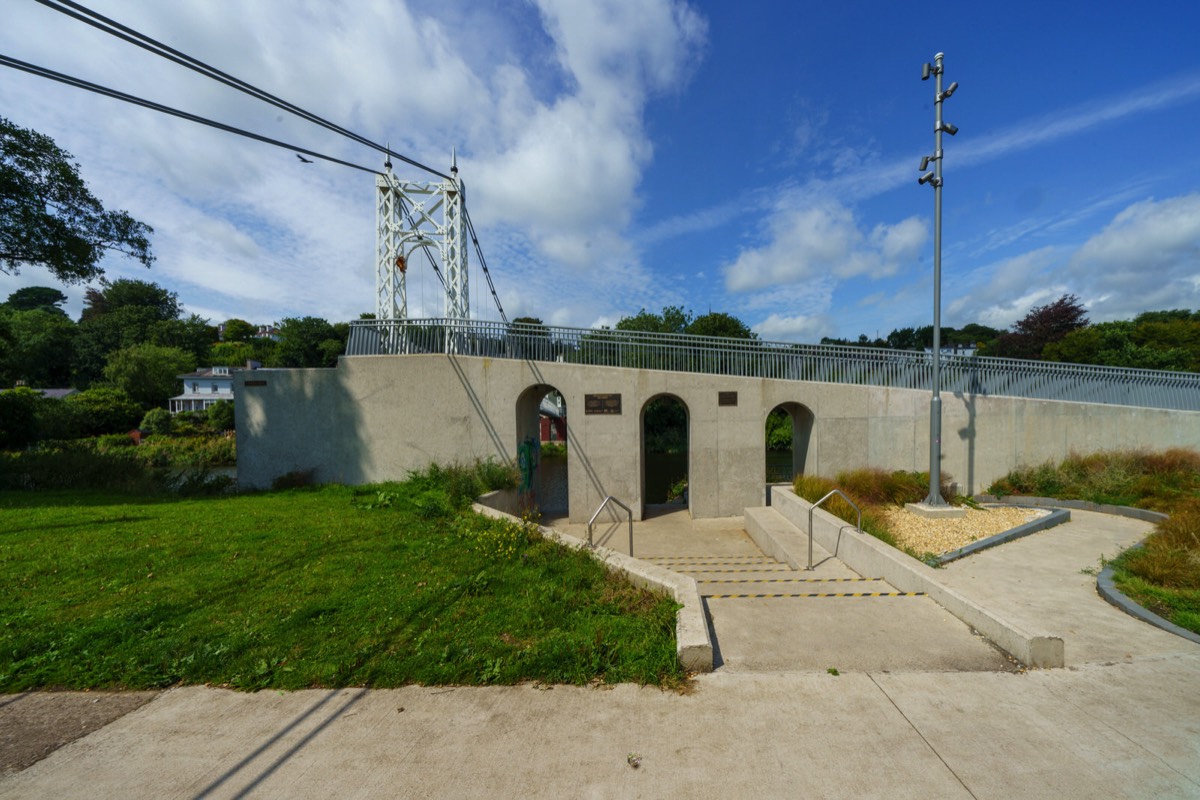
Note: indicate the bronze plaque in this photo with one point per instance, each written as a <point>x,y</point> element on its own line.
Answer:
<point>726,398</point>
<point>255,383</point>
<point>602,404</point>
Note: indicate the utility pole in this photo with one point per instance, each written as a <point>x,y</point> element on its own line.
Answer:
<point>934,177</point>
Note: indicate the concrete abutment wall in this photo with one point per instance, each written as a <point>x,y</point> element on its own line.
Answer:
<point>375,418</point>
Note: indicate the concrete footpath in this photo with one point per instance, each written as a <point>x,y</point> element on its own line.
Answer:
<point>1122,720</point>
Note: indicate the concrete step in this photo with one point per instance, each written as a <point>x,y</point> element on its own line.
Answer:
<point>779,539</point>
<point>796,588</point>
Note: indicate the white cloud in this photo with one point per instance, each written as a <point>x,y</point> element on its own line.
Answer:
<point>1147,257</point>
<point>803,328</point>
<point>822,239</point>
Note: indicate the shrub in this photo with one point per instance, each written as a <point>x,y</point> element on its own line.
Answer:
<point>462,484</point>
<point>158,421</point>
<point>220,416</point>
<point>554,449</point>
<point>18,418</point>
<point>80,468</point>
<point>105,410</point>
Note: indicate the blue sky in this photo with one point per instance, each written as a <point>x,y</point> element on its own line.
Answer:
<point>755,158</point>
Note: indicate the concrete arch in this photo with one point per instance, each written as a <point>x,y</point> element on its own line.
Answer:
<point>645,458</point>
<point>802,419</point>
<point>551,479</point>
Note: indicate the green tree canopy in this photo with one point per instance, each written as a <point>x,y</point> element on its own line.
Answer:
<point>221,415</point>
<point>123,313</point>
<point>38,349</point>
<point>718,323</point>
<point>307,342</point>
<point>237,330</point>
<point>673,319</point>
<point>49,217</point>
<point>148,373</point>
<point>105,410</point>
<point>37,298</point>
<point>232,354</point>
<point>111,296</point>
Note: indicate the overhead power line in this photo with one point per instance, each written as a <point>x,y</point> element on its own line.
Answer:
<point>114,28</point>
<point>79,83</point>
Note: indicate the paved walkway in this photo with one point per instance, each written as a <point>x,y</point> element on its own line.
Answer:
<point>1122,720</point>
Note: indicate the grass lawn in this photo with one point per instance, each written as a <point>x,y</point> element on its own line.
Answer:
<point>376,586</point>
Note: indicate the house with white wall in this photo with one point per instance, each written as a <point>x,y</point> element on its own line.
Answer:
<point>203,388</point>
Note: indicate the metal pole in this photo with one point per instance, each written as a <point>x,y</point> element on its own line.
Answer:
<point>935,400</point>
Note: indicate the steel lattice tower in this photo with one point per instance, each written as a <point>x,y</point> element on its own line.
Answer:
<point>410,216</point>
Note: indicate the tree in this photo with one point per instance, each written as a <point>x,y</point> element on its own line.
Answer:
<point>37,298</point>
<point>307,342</point>
<point>718,323</point>
<point>18,418</point>
<point>125,293</point>
<point>158,421</point>
<point>192,335</point>
<point>232,354</point>
<point>221,416</point>
<point>119,314</point>
<point>1043,325</point>
<point>48,216</point>
<point>148,373</point>
<point>237,330</point>
<point>673,319</point>
<point>105,410</point>
<point>40,346</point>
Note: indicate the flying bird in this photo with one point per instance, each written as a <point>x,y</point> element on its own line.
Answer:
<point>302,158</point>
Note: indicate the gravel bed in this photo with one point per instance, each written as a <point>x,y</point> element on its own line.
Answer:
<point>937,536</point>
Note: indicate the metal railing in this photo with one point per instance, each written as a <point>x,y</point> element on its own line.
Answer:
<point>961,375</point>
<point>607,500</point>
<point>813,508</point>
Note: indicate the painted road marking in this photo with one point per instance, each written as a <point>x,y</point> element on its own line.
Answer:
<point>784,580</point>
<point>819,594</point>
<point>783,568</point>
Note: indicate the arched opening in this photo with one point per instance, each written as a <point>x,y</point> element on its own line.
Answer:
<point>787,432</point>
<point>665,451</point>
<point>542,449</point>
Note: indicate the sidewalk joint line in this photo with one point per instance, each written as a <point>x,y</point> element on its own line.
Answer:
<point>923,739</point>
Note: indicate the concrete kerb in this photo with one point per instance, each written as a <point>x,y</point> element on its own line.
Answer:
<point>1105,586</point>
<point>1056,516</point>
<point>869,556</point>
<point>693,645</point>
<point>1109,591</point>
<point>1144,514</point>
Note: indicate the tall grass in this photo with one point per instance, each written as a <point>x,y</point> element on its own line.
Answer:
<point>1140,478</point>
<point>1163,574</point>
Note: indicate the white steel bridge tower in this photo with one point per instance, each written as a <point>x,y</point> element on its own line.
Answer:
<point>411,216</point>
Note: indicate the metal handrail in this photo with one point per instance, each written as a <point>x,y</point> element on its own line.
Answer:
<point>965,375</point>
<point>813,508</point>
<point>607,500</point>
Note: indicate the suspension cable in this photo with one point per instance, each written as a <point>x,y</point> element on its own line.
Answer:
<point>483,262</point>
<point>114,28</point>
<point>139,101</point>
